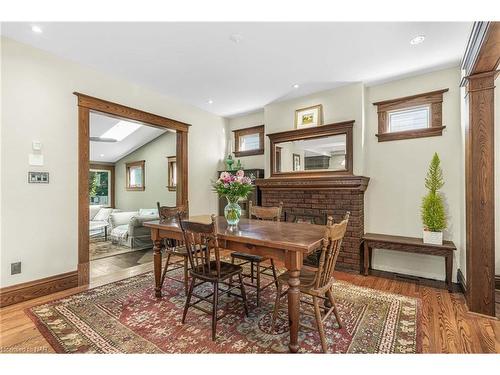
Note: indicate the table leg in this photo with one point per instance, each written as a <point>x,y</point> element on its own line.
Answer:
<point>294,263</point>
<point>157,266</point>
<point>366,258</point>
<point>449,270</point>
<point>105,234</point>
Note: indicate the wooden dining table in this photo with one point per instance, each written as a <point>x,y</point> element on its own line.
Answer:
<point>282,241</point>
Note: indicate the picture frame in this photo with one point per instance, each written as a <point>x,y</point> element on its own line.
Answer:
<point>296,162</point>
<point>309,116</point>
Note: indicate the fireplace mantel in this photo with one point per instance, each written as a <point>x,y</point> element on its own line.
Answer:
<point>344,182</point>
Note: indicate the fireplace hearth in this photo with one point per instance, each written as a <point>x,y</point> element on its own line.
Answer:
<point>314,199</point>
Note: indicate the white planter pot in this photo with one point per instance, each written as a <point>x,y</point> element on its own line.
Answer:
<point>434,238</point>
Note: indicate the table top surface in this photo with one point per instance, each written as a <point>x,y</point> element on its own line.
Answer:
<point>287,236</point>
<point>410,241</point>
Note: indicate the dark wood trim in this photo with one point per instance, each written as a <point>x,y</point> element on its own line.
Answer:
<point>480,193</point>
<point>319,183</point>
<point>344,127</point>
<point>111,169</point>
<point>85,105</point>
<point>252,130</point>
<point>139,163</point>
<point>483,49</point>
<point>37,288</point>
<point>461,281</point>
<point>434,99</point>
<point>410,134</point>
<point>129,113</point>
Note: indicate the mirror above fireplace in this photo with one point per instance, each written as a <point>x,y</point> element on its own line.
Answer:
<point>317,151</point>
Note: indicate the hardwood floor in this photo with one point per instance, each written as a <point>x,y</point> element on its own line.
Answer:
<point>447,326</point>
<point>116,263</point>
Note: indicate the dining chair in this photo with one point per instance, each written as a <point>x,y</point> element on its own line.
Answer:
<point>256,267</point>
<point>206,267</point>
<point>173,247</point>
<point>318,285</point>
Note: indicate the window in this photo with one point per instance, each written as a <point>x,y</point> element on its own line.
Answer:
<point>249,141</point>
<point>172,173</point>
<point>102,185</point>
<point>410,117</point>
<point>135,176</point>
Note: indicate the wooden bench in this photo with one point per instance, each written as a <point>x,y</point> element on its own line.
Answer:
<point>408,245</point>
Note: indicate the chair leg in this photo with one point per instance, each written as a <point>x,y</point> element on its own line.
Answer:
<point>231,279</point>
<point>274,273</point>
<point>243,294</point>
<point>335,311</point>
<point>214,309</point>
<point>165,270</point>
<point>317,313</point>
<point>251,272</point>
<point>188,299</point>
<point>186,275</point>
<point>258,283</point>
<point>276,306</point>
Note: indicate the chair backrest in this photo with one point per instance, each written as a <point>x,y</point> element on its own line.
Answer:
<point>332,241</point>
<point>201,242</point>
<point>265,213</point>
<point>168,214</point>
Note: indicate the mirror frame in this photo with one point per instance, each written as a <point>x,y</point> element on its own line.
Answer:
<point>321,131</point>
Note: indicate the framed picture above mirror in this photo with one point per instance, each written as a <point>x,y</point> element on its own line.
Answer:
<point>309,117</point>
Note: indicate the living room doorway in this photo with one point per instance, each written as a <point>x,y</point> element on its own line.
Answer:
<point>128,161</point>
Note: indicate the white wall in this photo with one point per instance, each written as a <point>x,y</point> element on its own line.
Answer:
<point>241,122</point>
<point>39,222</point>
<point>155,154</point>
<point>397,170</point>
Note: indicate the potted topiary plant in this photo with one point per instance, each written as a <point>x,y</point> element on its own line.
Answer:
<point>433,212</point>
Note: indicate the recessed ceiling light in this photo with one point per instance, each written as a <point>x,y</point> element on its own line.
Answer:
<point>210,101</point>
<point>236,38</point>
<point>296,86</point>
<point>102,155</point>
<point>36,29</point>
<point>417,40</point>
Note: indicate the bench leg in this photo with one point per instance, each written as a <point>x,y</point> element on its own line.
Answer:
<point>449,270</point>
<point>366,258</point>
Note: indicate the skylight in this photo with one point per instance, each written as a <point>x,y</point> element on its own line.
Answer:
<point>121,130</point>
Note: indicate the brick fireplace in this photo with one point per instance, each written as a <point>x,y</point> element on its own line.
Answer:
<point>320,197</point>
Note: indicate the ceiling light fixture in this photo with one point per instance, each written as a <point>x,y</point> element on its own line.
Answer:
<point>236,38</point>
<point>210,101</point>
<point>296,86</point>
<point>36,29</point>
<point>102,155</point>
<point>417,40</point>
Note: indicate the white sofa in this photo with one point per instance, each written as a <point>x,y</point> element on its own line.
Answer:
<point>98,217</point>
<point>127,229</point>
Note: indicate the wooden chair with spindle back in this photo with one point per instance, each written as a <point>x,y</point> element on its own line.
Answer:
<point>256,267</point>
<point>173,247</point>
<point>206,267</point>
<point>318,285</point>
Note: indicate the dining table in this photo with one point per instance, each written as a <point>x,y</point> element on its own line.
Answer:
<point>283,241</point>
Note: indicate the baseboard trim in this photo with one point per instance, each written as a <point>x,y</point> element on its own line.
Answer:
<point>461,281</point>
<point>438,284</point>
<point>37,288</point>
<point>497,281</point>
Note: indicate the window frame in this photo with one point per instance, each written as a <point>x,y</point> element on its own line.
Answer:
<point>432,99</point>
<point>172,164</point>
<point>238,133</point>
<point>128,166</point>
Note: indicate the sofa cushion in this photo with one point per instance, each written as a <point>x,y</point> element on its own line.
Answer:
<point>148,212</point>
<point>121,218</point>
<point>103,214</point>
<point>93,210</point>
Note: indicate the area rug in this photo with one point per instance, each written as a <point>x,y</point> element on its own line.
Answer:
<point>125,317</point>
<point>98,249</point>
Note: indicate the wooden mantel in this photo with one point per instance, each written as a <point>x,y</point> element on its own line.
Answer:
<point>344,182</point>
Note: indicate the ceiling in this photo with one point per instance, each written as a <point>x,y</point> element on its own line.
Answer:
<point>243,66</point>
<point>112,152</point>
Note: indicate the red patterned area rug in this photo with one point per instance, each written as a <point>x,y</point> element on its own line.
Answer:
<point>125,317</point>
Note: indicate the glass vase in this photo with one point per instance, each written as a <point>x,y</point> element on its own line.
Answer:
<point>232,211</point>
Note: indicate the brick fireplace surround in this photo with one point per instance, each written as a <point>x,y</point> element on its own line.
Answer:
<point>316,196</point>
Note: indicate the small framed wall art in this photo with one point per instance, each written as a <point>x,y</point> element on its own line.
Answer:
<point>309,117</point>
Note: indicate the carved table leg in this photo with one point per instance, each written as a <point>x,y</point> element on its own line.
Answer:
<point>157,265</point>
<point>294,263</point>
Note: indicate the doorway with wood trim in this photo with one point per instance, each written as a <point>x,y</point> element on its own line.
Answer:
<point>89,107</point>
